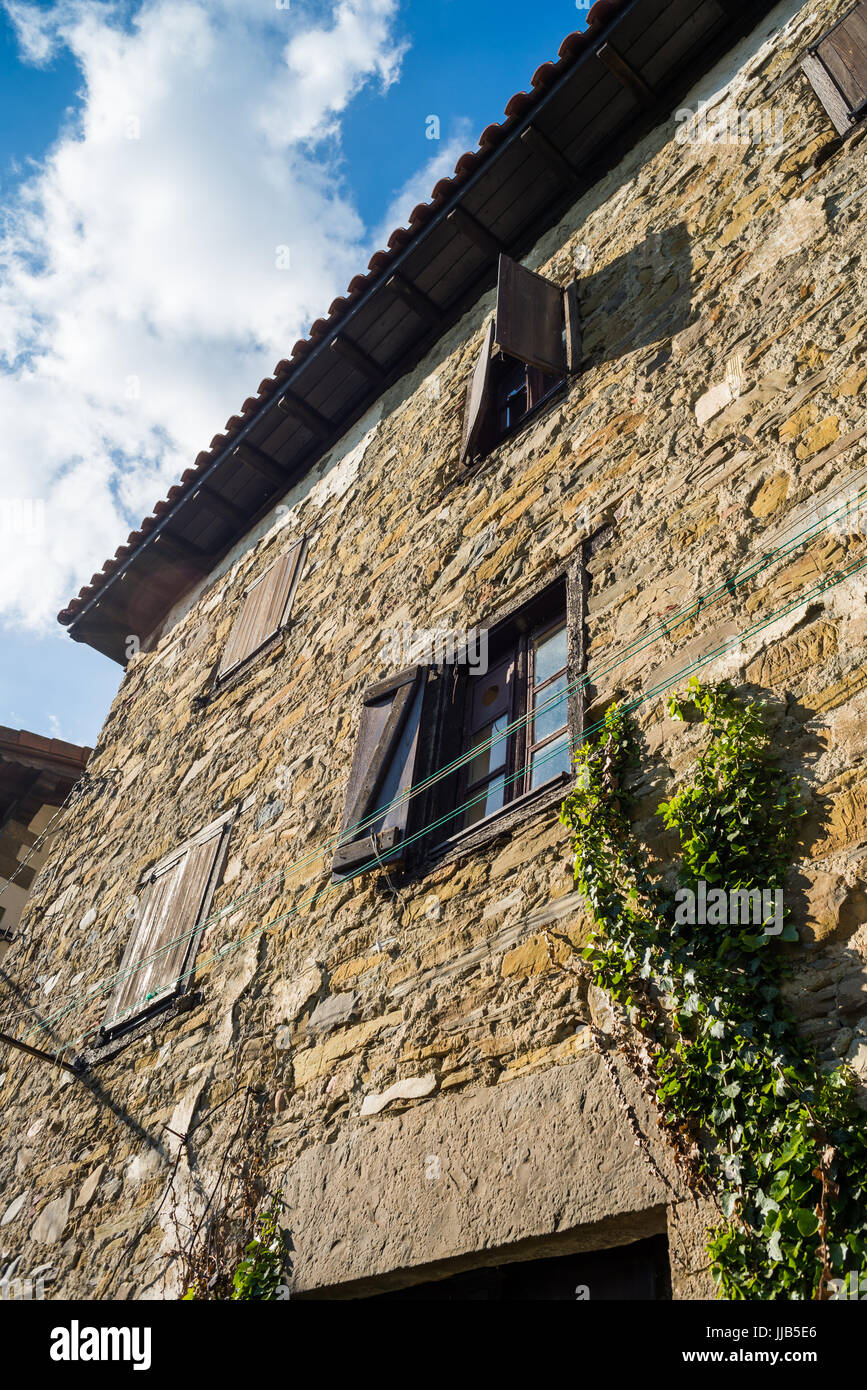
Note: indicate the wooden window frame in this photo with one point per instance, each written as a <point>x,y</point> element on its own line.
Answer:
<point>447,728</point>
<point>502,347</point>
<point>441,729</point>
<point>537,393</point>
<point>845,119</point>
<point>515,767</point>
<point>112,1032</point>
<point>536,698</point>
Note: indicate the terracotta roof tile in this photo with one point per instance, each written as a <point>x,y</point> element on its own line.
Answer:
<point>12,740</point>
<point>491,137</point>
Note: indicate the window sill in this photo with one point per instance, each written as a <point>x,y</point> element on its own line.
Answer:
<point>239,673</point>
<point>500,823</point>
<point>162,1013</point>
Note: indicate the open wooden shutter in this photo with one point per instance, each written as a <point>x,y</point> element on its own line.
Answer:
<point>479,400</point>
<point>383,768</point>
<point>264,609</point>
<point>530,317</point>
<point>837,69</point>
<point>171,903</point>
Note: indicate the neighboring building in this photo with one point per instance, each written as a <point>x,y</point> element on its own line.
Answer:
<point>620,355</point>
<point>36,776</point>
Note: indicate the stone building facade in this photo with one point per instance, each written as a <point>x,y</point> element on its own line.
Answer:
<point>398,1033</point>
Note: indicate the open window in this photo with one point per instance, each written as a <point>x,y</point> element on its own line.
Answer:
<point>836,67</point>
<point>529,348</point>
<point>377,810</point>
<point>174,898</point>
<point>454,752</point>
<point>265,608</point>
<point>512,730</point>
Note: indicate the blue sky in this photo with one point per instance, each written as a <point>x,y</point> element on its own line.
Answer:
<point>131,326</point>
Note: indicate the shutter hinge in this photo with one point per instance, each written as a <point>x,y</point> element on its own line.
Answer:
<point>388,839</point>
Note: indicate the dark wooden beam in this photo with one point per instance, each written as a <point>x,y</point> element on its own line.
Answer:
<point>11,867</point>
<point>114,629</point>
<point>221,506</point>
<point>17,804</point>
<point>158,581</point>
<point>181,548</point>
<point>626,75</point>
<point>317,424</point>
<point>262,463</point>
<point>415,298</point>
<point>542,148</point>
<point>18,831</point>
<point>111,643</point>
<point>471,228</point>
<point>353,354</point>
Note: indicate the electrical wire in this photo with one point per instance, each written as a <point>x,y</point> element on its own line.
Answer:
<point>591,676</point>
<point>676,620</point>
<point>201,966</point>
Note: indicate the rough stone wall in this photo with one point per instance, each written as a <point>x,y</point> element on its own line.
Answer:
<point>722,400</point>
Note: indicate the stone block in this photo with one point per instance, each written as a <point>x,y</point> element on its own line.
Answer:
<point>51,1221</point>
<point>580,1173</point>
<point>332,1012</point>
<point>410,1088</point>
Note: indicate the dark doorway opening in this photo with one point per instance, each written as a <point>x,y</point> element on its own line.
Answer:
<point>637,1271</point>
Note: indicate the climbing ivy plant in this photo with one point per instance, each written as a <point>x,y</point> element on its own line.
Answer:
<point>755,1123</point>
<point>260,1274</point>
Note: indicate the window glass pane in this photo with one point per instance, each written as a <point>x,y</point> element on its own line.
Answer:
<point>493,801</point>
<point>549,762</point>
<point>512,394</point>
<point>550,655</point>
<point>540,383</point>
<point>552,703</point>
<point>488,759</point>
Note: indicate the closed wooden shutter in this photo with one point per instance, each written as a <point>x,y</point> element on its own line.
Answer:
<point>264,609</point>
<point>530,317</point>
<point>171,903</point>
<point>479,402</point>
<point>837,69</point>
<point>383,768</point>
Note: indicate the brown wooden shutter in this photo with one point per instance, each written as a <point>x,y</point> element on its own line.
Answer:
<point>479,400</point>
<point>171,904</point>
<point>530,317</point>
<point>837,69</point>
<point>264,609</point>
<point>383,768</point>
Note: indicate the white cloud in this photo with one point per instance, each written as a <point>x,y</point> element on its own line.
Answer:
<point>140,294</point>
<point>440,164</point>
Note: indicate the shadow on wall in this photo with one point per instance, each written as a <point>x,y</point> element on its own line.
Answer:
<point>794,740</point>
<point>824,890</point>
<point>638,298</point>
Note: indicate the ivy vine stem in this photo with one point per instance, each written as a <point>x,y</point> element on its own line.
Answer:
<point>755,1122</point>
